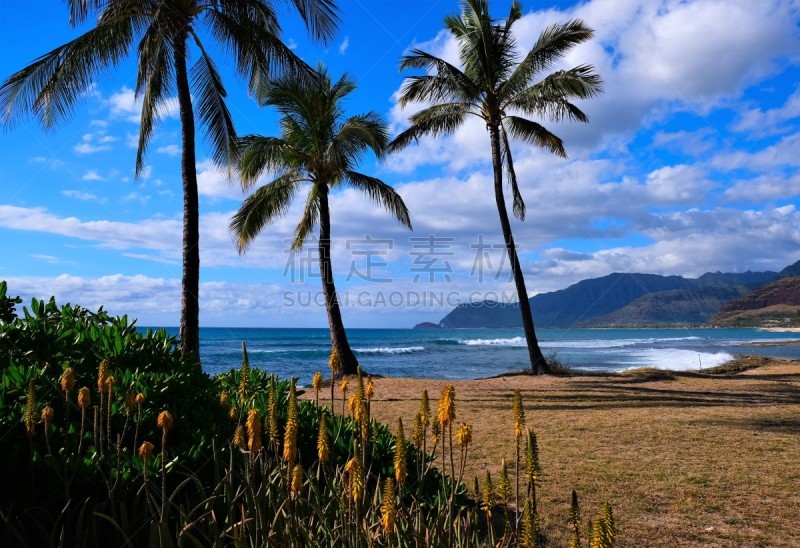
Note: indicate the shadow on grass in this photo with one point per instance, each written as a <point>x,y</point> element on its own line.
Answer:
<point>764,424</point>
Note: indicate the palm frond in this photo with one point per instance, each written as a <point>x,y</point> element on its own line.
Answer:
<point>554,42</point>
<point>382,195</point>
<point>266,204</point>
<point>434,121</point>
<point>535,134</point>
<point>49,87</point>
<point>321,17</point>
<point>259,154</point>
<point>156,64</point>
<point>309,219</point>
<point>213,112</point>
<point>357,135</point>
<point>518,203</point>
<point>255,42</point>
<point>551,97</point>
<point>448,82</point>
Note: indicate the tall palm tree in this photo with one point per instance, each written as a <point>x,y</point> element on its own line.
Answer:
<point>497,86</point>
<point>164,33</point>
<point>318,146</point>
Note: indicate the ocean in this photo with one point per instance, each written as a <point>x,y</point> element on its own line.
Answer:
<point>478,353</point>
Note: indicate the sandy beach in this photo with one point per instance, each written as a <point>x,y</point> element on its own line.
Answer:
<point>686,459</point>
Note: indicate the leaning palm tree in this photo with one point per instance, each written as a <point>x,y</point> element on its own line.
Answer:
<point>494,84</point>
<point>164,33</point>
<point>318,146</point>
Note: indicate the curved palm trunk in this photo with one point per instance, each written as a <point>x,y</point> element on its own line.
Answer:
<point>190,281</point>
<point>538,364</point>
<point>347,360</point>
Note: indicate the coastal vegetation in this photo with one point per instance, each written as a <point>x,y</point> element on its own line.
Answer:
<point>142,448</point>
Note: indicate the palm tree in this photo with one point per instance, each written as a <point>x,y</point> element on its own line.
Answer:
<point>164,33</point>
<point>499,87</point>
<point>317,146</point>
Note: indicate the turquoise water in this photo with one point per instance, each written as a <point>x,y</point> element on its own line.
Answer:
<point>476,353</point>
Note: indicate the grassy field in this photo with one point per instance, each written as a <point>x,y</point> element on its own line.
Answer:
<point>685,459</point>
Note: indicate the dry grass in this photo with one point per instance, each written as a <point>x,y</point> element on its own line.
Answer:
<point>685,460</point>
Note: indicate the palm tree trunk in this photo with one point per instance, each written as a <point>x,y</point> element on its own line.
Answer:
<point>538,364</point>
<point>347,360</point>
<point>190,280</point>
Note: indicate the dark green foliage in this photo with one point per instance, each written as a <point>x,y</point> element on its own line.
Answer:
<point>7,304</point>
<point>99,496</point>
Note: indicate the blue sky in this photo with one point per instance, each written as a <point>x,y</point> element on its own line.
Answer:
<point>689,164</point>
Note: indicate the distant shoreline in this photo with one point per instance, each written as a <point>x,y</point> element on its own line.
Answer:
<point>780,329</point>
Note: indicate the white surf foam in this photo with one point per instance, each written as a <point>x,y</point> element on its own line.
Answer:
<point>388,350</point>
<point>675,359</point>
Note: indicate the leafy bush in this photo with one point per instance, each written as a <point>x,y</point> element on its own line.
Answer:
<point>165,455</point>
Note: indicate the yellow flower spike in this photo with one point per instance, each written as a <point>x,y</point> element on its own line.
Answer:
<point>239,439</point>
<point>333,361</point>
<point>84,398</point>
<point>272,410</point>
<point>355,476</point>
<point>464,435</point>
<point>530,526</point>
<point>370,391</point>
<point>254,432</point>
<point>487,498</point>
<point>504,483</point>
<point>102,375</point>
<point>316,382</point>
<point>130,401</point>
<point>388,508</point>
<point>436,430</point>
<point>519,414</point>
<point>146,450</point>
<point>29,416</point>
<point>532,467</point>
<point>417,433</point>
<point>140,400</point>
<point>68,380</point>
<point>165,421</point>
<point>225,400</point>
<point>447,405</point>
<point>351,405</point>
<point>110,382</point>
<point>297,481</point>
<point>343,387</point>
<point>233,413</point>
<point>48,414</point>
<point>400,455</point>
<point>290,435</point>
<point>323,440</point>
<point>425,409</point>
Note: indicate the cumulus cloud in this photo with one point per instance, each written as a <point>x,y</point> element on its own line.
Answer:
<point>126,106</point>
<point>344,45</point>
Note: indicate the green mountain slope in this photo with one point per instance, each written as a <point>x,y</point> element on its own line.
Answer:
<point>622,300</point>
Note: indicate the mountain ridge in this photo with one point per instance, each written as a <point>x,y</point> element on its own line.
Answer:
<point>623,300</point>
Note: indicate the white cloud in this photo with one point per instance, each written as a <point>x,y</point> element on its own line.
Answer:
<point>781,154</point>
<point>79,195</point>
<point>344,45</point>
<point>92,175</point>
<point>759,123</point>
<point>169,150</point>
<point>124,105</point>
<point>291,44</point>
<point>88,146</point>
<point>214,182</point>
<point>764,187</point>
